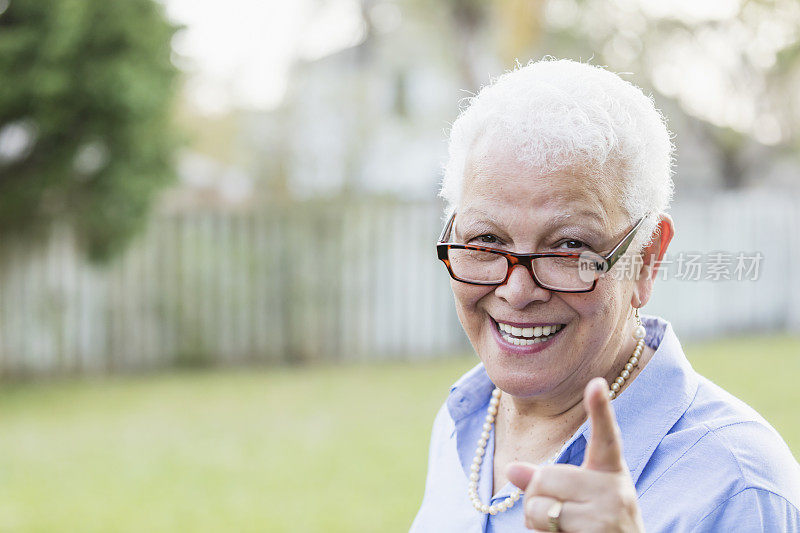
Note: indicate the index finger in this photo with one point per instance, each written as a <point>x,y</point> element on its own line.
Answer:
<point>604,451</point>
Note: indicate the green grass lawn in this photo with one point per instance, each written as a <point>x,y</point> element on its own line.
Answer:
<point>324,449</point>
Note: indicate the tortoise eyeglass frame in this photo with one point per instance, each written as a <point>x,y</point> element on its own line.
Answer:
<point>526,260</point>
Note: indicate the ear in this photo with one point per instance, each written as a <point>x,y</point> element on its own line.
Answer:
<point>651,258</point>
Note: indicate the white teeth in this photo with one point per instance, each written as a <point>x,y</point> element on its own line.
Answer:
<point>527,336</point>
<point>520,342</point>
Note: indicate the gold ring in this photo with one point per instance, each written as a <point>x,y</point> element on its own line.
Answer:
<point>554,516</point>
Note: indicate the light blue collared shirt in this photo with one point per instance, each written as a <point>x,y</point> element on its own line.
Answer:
<point>700,459</point>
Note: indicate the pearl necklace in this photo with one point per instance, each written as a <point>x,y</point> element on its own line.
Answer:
<point>638,334</point>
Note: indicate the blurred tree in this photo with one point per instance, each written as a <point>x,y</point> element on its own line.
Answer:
<point>86,88</point>
<point>463,27</point>
<point>733,66</point>
<point>469,17</point>
<point>522,24</point>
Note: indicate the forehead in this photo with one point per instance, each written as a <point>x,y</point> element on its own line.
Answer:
<point>496,182</point>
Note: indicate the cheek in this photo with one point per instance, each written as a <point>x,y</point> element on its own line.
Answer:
<point>467,298</point>
<point>598,315</point>
<point>467,295</point>
<point>604,304</point>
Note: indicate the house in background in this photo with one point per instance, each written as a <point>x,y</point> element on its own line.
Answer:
<point>372,120</point>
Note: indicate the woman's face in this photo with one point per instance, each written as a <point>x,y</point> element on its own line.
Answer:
<point>508,206</point>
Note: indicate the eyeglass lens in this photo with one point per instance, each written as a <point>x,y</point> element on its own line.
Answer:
<point>558,273</point>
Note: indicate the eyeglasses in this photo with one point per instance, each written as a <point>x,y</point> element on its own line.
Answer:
<point>554,271</point>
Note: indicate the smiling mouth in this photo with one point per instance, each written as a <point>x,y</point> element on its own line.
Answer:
<point>527,336</point>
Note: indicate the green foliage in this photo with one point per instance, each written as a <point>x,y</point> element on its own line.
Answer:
<point>746,56</point>
<point>86,89</point>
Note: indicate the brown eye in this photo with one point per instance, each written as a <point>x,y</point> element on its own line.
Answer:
<point>574,244</point>
<point>487,239</point>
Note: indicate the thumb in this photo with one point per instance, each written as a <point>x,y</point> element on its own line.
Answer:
<point>604,451</point>
<point>520,474</point>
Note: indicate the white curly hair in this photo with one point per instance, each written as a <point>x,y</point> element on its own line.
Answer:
<point>562,114</point>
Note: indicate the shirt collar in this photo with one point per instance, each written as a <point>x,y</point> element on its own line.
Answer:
<point>469,393</point>
<point>646,410</point>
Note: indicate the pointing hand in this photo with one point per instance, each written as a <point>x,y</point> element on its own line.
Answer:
<point>598,495</point>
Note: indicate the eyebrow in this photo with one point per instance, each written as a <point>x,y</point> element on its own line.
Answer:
<point>554,221</point>
<point>474,211</point>
<point>478,220</point>
<point>486,223</point>
<point>563,218</point>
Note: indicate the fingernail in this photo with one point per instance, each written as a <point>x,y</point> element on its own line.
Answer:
<point>520,474</point>
<point>598,383</point>
<point>520,467</point>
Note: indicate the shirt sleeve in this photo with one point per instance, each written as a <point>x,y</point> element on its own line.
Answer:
<point>439,428</point>
<point>752,509</point>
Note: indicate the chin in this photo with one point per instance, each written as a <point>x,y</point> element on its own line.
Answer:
<point>519,384</point>
<point>524,361</point>
<point>516,379</point>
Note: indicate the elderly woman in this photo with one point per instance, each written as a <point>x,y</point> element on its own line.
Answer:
<point>558,183</point>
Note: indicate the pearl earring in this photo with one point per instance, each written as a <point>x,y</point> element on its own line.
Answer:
<point>638,332</point>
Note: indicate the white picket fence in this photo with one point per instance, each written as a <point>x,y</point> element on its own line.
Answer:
<point>747,223</point>
<point>322,281</point>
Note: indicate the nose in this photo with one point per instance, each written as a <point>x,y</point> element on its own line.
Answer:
<point>520,289</point>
